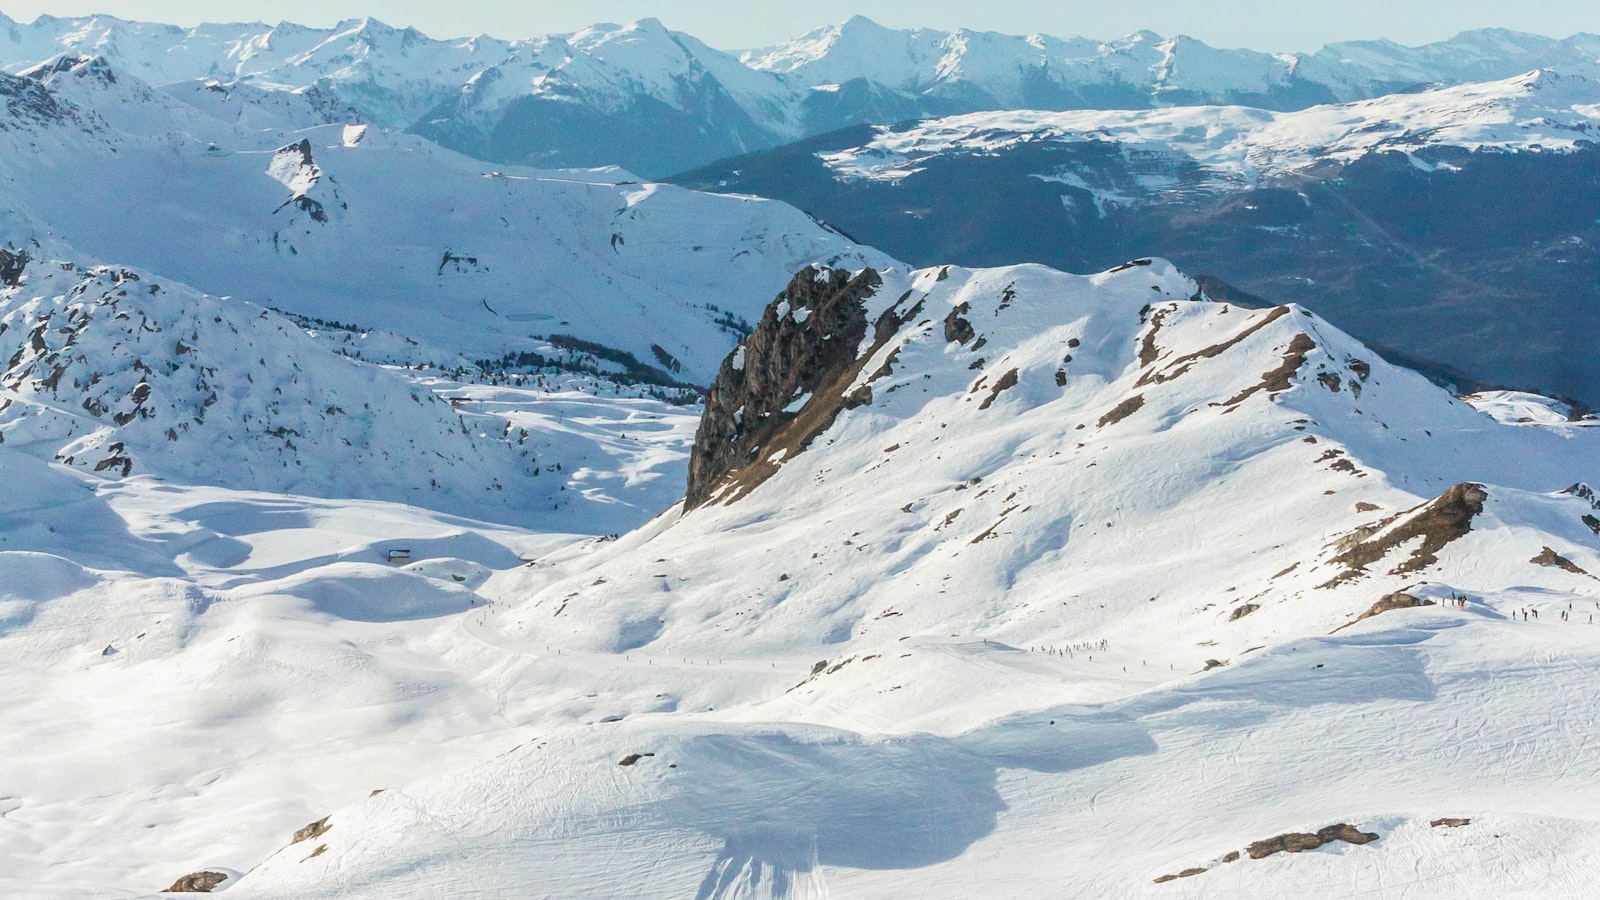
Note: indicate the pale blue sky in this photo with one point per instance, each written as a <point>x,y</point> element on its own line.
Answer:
<point>1260,24</point>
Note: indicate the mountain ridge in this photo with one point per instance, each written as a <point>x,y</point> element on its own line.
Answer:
<point>487,96</point>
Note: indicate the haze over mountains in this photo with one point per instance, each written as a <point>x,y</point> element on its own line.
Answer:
<point>658,102</point>
<point>386,517</point>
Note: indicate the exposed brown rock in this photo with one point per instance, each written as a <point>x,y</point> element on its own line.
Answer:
<point>1123,410</point>
<point>956,328</point>
<point>1551,559</point>
<point>1148,351</point>
<point>1450,823</point>
<point>634,758</point>
<point>1186,873</point>
<point>1299,842</point>
<point>313,831</point>
<point>1444,520</point>
<point>1006,383</point>
<point>197,883</point>
<point>1281,378</point>
<point>1183,363</point>
<point>1243,611</point>
<point>1397,600</point>
<point>745,426</point>
<point>1367,507</point>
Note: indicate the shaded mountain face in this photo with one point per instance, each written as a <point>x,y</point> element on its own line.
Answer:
<point>657,101</point>
<point>1473,249</point>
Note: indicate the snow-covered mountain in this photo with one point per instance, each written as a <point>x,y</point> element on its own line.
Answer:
<point>1006,566</point>
<point>1371,212</point>
<point>1144,69</point>
<point>1546,109</point>
<point>658,101</point>
<point>356,225</point>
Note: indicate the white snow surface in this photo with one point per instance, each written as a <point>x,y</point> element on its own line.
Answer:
<point>1014,605</point>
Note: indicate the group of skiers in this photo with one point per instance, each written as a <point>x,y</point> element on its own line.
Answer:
<point>1566,614</point>
<point>1070,651</point>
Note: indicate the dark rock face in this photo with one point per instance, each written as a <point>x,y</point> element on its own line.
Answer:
<point>805,344</point>
<point>11,266</point>
<point>26,100</point>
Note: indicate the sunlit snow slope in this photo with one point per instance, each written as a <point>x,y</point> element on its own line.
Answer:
<point>1045,584</point>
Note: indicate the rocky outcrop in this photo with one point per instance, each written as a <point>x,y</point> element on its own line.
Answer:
<point>1446,519</point>
<point>294,168</point>
<point>197,883</point>
<point>1397,600</point>
<point>1550,559</point>
<point>26,100</point>
<point>1299,842</point>
<point>313,831</point>
<point>1292,842</point>
<point>804,349</point>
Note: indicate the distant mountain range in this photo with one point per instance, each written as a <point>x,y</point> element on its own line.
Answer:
<point>1457,227</point>
<point>657,101</point>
